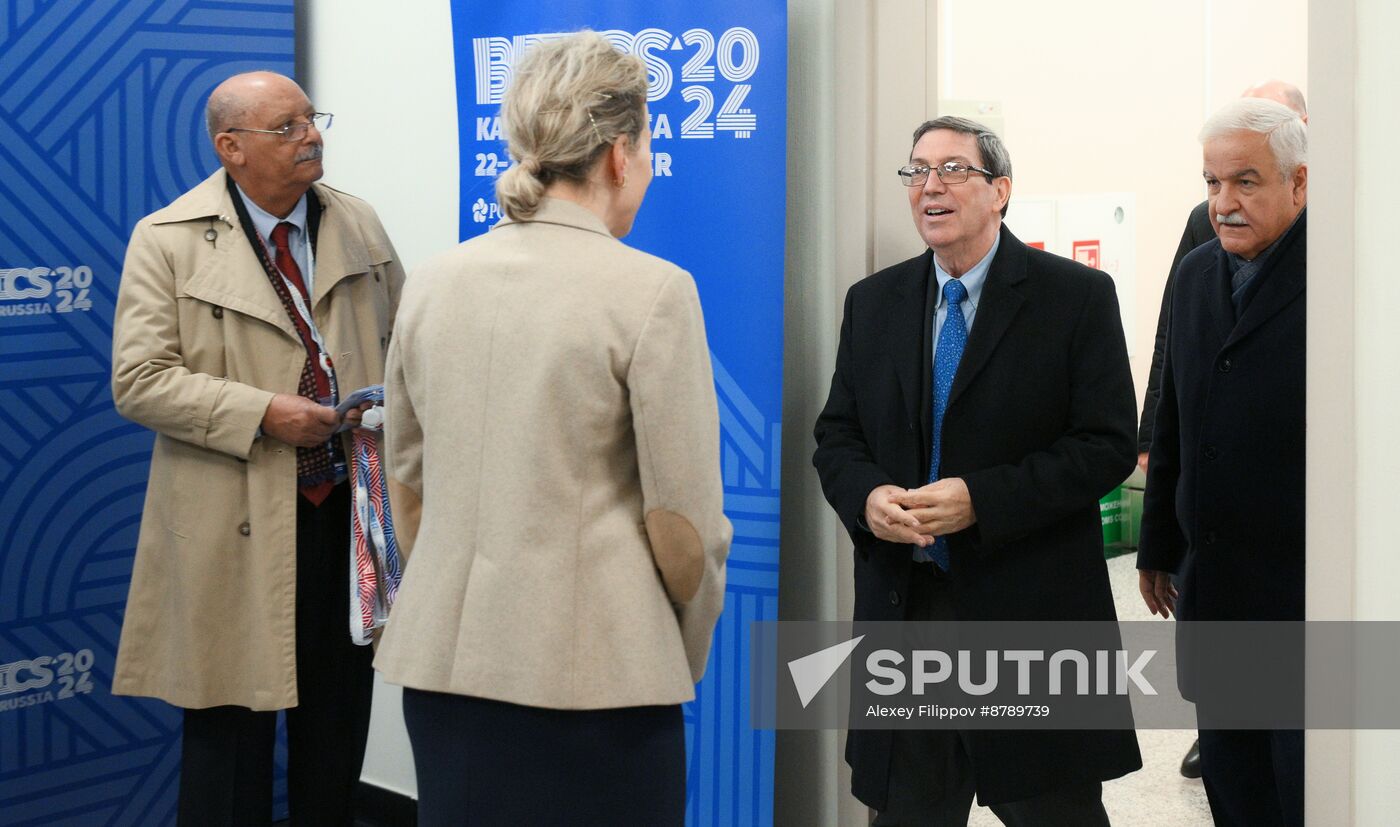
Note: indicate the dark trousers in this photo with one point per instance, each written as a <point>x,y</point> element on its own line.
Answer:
<point>932,778</point>
<point>1253,778</point>
<point>226,770</point>
<point>488,763</point>
<point>932,784</point>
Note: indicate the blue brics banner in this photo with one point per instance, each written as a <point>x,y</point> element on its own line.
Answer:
<point>101,122</point>
<point>717,100</point>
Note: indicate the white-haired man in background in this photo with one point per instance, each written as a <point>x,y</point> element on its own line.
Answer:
<point>1225,480</point>
<point>1199,229</point>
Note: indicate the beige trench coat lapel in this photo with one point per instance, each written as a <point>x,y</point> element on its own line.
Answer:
<point>231,277</point>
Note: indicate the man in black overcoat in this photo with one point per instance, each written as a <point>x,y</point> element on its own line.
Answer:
<point>981,406</point>
<point>1198,231</point>
<point>1224,503</point>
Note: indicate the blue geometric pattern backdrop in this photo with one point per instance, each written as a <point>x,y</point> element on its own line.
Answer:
<point>717,207</point>
<point>101,105</point>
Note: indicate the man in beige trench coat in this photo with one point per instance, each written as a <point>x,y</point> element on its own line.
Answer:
<point>243,304</point>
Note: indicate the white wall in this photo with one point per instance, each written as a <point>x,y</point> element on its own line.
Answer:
<point>1353,375</point>
<point>1107,96</point>
<point>386,70</point>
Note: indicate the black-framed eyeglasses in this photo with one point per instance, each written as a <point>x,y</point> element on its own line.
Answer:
<point>952,172</point>
<point>293,131</point>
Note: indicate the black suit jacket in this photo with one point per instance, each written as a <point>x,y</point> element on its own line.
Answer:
<point>1198,231</point>
<point>1224,501</point>
<point>1040,426</point>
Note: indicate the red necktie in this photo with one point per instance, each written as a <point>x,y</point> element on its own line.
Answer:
<point>287,264</point>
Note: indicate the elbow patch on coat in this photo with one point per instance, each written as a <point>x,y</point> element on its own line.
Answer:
<point>407,512</point>
<point>678,552</point>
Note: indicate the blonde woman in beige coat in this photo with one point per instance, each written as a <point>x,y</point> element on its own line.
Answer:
<point>551,410</point>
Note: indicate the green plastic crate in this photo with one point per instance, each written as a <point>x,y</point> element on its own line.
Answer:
<point>1114,511</point>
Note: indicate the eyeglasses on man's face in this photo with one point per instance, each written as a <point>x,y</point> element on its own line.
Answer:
<point>952,172</point>
<point>294,131</point>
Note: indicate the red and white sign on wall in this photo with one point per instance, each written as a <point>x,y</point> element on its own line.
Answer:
<point>1087,253</point>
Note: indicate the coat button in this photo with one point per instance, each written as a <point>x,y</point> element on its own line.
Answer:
<point>211,234</point>
<point>376,275</point>
<point>218,312</point>
<point>245,529</point>
<point>1210,452</point>
<point>894,598</point>
<point>1226,365</point>
<point>1210,538</point>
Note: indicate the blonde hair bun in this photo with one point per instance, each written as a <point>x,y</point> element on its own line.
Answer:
<point>568,101</point>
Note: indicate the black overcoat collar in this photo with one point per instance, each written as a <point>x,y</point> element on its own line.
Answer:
<point>1284,276</point>
<point>1000,302</point>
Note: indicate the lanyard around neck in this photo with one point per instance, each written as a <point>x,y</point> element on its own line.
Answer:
<point>323,353</point>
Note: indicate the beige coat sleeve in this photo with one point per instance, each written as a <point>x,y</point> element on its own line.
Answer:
<point>151,384</point>
<point>676,421</point>
<point>403,451</point>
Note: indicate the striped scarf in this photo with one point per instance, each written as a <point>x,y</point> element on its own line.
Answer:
<point>374,553</point>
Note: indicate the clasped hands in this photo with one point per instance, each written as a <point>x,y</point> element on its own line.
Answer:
<point>919,515</point>
<point>299,421</point>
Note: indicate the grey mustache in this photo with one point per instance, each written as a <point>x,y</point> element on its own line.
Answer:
<point>310,154</point>
<point>1233,219</point>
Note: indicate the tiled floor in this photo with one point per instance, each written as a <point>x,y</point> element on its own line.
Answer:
<point>1156,795</point>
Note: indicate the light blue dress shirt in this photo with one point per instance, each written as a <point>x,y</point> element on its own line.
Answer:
<point>972,280</point>
<point>265,222</point>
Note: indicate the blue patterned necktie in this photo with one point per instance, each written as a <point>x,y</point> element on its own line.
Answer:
<point>951,341</point>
